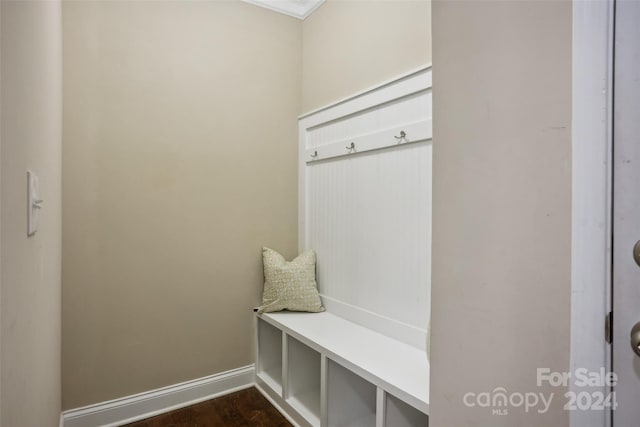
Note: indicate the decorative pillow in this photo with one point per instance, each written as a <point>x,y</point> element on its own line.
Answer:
<point>290,285</point>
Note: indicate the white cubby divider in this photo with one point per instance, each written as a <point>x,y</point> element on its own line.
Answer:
<point>336,373</point>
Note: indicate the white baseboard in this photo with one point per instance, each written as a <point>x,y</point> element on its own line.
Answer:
<point>148,404</point>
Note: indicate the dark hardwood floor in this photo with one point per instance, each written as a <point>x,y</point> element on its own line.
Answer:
<point>245,408</point>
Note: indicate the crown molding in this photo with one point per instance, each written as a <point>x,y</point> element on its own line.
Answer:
<point>297,8</point>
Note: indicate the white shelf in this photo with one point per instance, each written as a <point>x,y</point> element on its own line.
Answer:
<point>269,363</point>
<point>306,405</point>
<point>399,414</point>
<point>272,378</point>
<point>351,400</point>
<point>396,367</point>
<point>303,376</point>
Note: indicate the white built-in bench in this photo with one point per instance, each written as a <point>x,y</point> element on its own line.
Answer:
<point>365,207</point>
<point>323,370</point>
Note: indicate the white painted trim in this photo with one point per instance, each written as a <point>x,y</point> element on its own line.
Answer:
<point>302,187</point>
<point>369,90</point>
<point>591,193</point>
<point>296,8</point>
<point>148,404</point>
<point>403,332</point>
<point>387,138</point>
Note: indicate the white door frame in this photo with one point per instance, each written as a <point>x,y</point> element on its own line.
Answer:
<point>592,63</point>
<point>626,211</point>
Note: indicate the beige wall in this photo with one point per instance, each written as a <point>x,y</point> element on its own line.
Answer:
<point>502,205</point>
<point>31,120</point>
<point>349,46</point>
<point>0,216</point>
<point>180,162</point>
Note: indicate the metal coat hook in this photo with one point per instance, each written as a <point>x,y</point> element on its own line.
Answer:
<point>402,136</point>
<point>351,147</point>
<point>314,156</point>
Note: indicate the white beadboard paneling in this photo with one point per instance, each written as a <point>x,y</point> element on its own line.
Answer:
<point>367,212</point>
<point>369,220</point>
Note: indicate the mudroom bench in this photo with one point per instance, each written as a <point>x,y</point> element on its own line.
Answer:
<point>364,178</point>
<point>323,370</point>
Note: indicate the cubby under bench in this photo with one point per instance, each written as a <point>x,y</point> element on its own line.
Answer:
<point>324,371</point>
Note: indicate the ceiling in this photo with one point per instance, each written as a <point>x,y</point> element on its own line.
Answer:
<point>297,8</point>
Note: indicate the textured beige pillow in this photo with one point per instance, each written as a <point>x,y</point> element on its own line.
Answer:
<point>290,285</point>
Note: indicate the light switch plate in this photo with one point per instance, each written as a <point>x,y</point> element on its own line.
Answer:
<point>33,203</point>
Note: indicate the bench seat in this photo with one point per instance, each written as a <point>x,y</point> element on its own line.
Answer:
<point>398,368</point>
